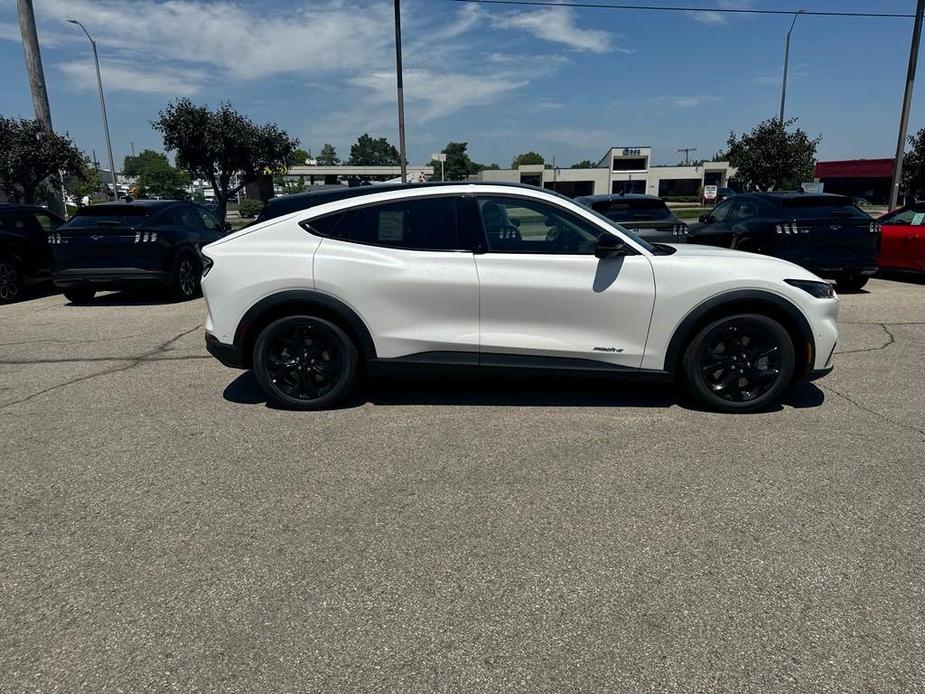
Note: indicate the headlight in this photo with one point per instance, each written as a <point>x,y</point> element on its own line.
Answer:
<point>820,290</point>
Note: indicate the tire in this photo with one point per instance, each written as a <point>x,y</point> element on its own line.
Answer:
<point>79,295</point>
<point>851,283</point>
<point>288,359</point>
<point>10,281</point>
<point>739,363</point>
<point>186,276</point>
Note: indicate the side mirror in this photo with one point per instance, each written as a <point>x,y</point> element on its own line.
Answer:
<point>703,219</point>
<point>609,246</point>
<point>227,226</point>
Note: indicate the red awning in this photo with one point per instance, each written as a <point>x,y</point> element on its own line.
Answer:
<point>855,168</point>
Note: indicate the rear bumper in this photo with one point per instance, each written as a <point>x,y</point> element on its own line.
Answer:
<point>109,277</point>
<point>229,355</point>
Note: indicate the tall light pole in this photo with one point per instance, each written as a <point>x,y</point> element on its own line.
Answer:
<point>783,90</point>
<point>401,94</point>
<point>99,84</point>
<point>907,100</point>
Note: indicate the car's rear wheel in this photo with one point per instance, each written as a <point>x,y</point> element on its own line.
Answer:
<point>739,363</point>
<point>10,282</point>
<point>851,283</point>
<point>305,363</point>
<point>186,277</point>
<point>79,295</point>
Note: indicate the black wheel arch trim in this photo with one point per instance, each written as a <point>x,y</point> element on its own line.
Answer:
<point>301,300</point>
<point>748,300</point>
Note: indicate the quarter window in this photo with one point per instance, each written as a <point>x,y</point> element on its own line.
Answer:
<point>46,221</point>
<point>519,225</point>
<point>427,224</point>
<point>721,212</point>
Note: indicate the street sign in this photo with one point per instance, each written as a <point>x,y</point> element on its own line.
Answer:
<point>710,192</point>
<point>439,157</point>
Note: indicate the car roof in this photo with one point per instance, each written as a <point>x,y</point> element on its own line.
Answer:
<point>277,207</point>
<point>19,207</point>
<point>781,195</point>
<point>618,196</point>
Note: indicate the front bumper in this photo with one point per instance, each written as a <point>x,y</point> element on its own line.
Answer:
<point>109,278</point>
<point>229,355</point>
<point>816,374</point>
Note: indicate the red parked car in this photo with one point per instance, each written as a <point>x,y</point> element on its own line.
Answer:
<point>902,244</point>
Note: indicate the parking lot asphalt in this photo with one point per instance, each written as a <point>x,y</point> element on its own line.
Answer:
<point>163,529</point>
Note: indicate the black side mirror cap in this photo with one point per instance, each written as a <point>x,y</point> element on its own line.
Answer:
<point>609,246</point>
<point>703,218</point>
<point>227,226</point>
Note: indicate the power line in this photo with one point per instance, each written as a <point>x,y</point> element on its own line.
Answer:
<point>668,8</point>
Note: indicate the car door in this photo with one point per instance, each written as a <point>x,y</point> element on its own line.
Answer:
<point>412,279</point>
<point>902,241</point>
<point>543,293</point>
<point>717,229</point>
<point>43,224</point>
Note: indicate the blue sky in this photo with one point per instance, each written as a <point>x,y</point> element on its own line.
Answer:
<point>564,82</point>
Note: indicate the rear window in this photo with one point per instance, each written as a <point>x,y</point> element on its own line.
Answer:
<point>822,208</point>
<point>632,211</point>
<point>108,215</point>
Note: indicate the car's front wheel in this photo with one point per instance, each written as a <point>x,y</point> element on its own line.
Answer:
<point>851,283</point>
<point>739,363</point>
<point>305,363</point>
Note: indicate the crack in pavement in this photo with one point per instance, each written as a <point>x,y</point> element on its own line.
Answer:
<point>864,408</point>
<point>71,342</point>
<point>132,363</point>
<point>891,339</point>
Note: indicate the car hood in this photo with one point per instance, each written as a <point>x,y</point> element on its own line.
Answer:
<point>693,249</point>
<point>740,259</point>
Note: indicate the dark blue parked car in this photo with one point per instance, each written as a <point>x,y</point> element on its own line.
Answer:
<point>126,245</point>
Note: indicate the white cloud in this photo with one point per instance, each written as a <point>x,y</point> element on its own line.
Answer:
<point>707,16</point>
<point>9,31</point>
<point>435,94</point>
<point>118,76</point>
<point>687,101</point>
<point>558,25</point>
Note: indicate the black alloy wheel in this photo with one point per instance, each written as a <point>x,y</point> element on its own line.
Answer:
<point>186,282</point>
<point>305,363</point>
<point>739,363</point>
<point>851,283</point>
<point>79,295</point>
<point>10,282</point>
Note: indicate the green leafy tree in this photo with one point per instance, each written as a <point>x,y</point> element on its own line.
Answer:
<point>527,158</point>
<point>300,156</point>
<point>226,148</point>
<point>458,166</point>
<point>583,164</point>
<point>84,184</point>
<point>913,179</point>
<point>327,156</point>
<point>772,158</point>
<point>367,151</point>
<point>156,176</point>
<point>30,154</point>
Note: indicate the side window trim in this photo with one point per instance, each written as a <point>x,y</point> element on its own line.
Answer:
<point>350,212</point>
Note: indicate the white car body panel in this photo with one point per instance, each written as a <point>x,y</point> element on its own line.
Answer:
<point>416,301</point>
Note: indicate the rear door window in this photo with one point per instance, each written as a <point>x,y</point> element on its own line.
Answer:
<point>46,221</point>
<point>720,213</point>
<point>419,224</point>
<point>108,215</point>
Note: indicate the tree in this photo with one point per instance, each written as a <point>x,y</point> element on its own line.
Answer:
<point>156,177</point>
<point>458,166</point>
<point>300,157</point>
<point>771,158</point>
<point>527,158</point>
<point>367,151</point>
<point>327,156</point>
<point>913,180</point>
<point>226,148</point>
<point>583,164</point>
<point>30,154</point>
<point>83,184</point>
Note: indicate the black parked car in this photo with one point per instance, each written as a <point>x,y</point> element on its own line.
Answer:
<point>646,215</point>
<point>25,255</point>
<point>824,233</point>
<point>126,245</point>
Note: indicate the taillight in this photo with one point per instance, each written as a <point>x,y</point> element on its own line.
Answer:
<point>145,236</point>
<point>679,229</point>
<point>875,228</point>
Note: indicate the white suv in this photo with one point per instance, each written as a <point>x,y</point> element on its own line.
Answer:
<point>497,279</point>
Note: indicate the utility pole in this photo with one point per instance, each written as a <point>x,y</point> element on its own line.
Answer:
<point>687,154</point>
<point>30,45</point>
<point>907,102</point>
<point>401,94</point>
<point>783,90</point>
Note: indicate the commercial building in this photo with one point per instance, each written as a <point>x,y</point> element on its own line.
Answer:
<point>621,169</point>
<point>870,179</point>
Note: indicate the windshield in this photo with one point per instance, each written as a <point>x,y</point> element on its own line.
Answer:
<point>822,208</point>
<point>108,215</point>
<point>632,211</point>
